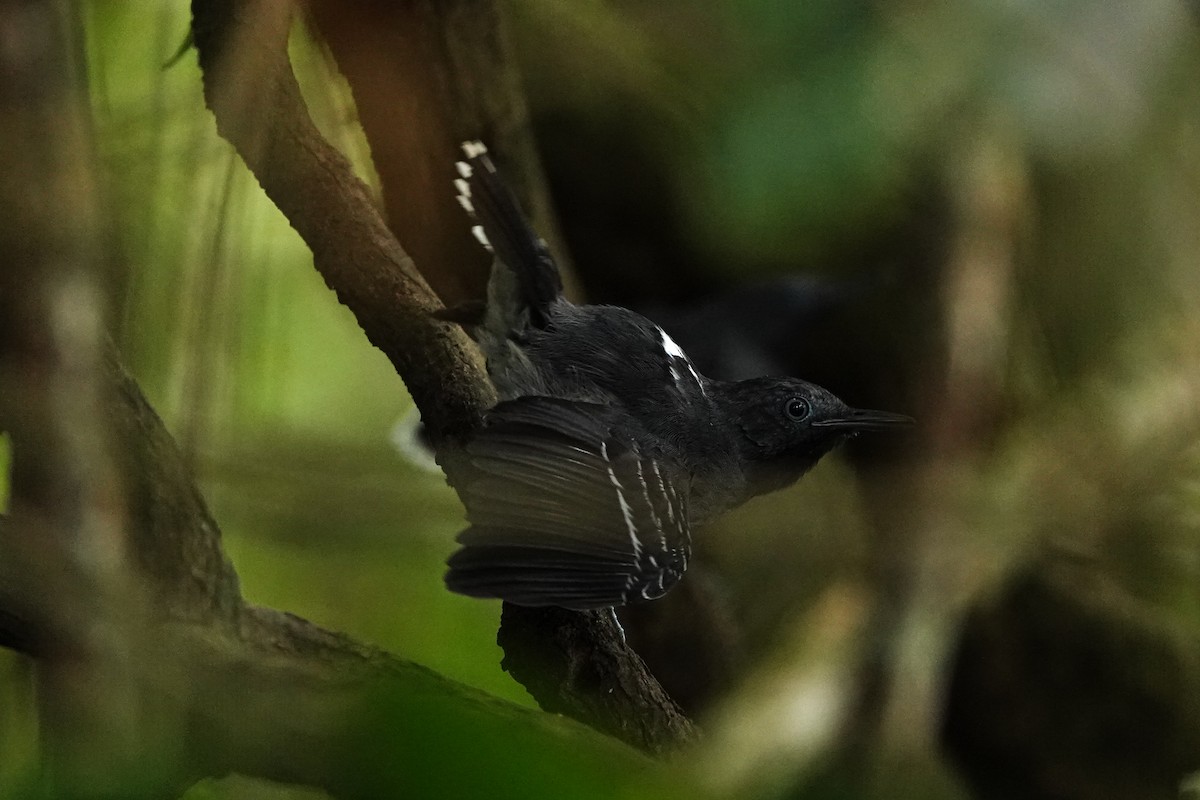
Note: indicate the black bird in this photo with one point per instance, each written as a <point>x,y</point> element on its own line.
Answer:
<point>607,445</point>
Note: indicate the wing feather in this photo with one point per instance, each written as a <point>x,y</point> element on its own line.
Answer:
<point>566,509</point>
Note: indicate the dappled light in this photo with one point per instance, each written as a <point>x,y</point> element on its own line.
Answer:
<point>223,543</point>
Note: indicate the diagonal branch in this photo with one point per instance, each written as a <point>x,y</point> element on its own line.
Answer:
<point>152,669</point>
<point>235,687</point>
<point>314,186</point>
<point>251,89</point>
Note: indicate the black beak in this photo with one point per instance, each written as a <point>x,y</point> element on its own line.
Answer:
<point>853,420</point>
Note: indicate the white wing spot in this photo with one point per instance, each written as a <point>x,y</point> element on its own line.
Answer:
<point>464,169</point>
<point>662,485</point>
<point>463,187</point>
<point>675,353</point>
<point>668,344</point>
<point>649,505</point>
<point>625,510</point>
<point>466,203</point>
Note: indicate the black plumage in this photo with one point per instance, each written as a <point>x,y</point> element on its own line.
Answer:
<point>583,483</point>
<point>566,510</point>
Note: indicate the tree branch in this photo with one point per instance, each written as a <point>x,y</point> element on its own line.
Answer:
<point>1066,686</point>
<point>234,687</point>
<point>145,691</point>
<point>362,261</point>
<point>427,75</point>
<point>578,664</point>
<point>68,528</point>
<point>250,87</point>
<point>292,702</point>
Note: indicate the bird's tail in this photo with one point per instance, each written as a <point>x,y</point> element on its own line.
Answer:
<point>525,280</point>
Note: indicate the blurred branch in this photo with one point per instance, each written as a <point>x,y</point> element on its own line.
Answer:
<point>280,698</point>
<point>64,541</point>
<point>17,632</point>
<point>292,702</point>
<point>1065,683</point>
<point>1066,686</point>
<point>183,679</point>
<point>174,540</point>
<point>267,122</point>
<point>259,691</point>
<point>578,664</point>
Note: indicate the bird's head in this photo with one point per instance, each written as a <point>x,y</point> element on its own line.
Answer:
<point>784,425</point>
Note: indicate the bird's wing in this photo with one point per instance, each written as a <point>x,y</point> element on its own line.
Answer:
<point>564,511</point>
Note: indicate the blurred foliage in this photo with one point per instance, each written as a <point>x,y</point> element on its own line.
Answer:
<point>5,468</point>
<point>265,380</point>
<point>692,146</point>
<point>18,722</point>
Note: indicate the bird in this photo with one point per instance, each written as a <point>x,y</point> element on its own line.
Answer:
<point>606,445</point>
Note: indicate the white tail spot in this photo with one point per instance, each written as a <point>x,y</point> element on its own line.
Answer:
<point>480,236</point>
<point>473,149</point>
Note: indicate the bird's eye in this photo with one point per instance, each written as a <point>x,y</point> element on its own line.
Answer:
<point>797,408</point>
